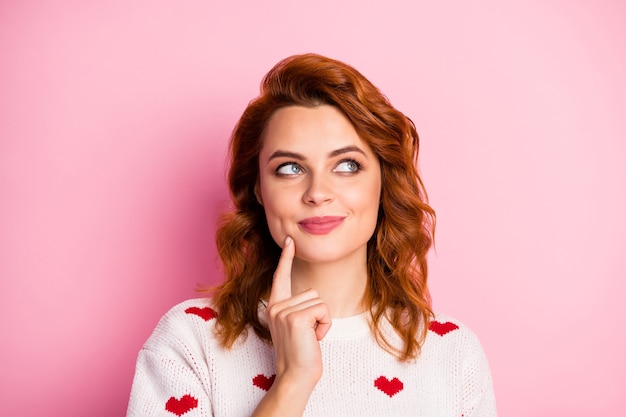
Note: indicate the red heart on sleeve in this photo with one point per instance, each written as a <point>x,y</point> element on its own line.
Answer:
<point>180,407</point>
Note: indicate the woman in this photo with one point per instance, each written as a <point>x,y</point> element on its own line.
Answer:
<point>325,309</point>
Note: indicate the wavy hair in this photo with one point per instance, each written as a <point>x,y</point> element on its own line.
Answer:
<point>396,253</point>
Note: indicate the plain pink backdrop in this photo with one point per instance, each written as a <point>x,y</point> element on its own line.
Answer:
<point>114,121</point>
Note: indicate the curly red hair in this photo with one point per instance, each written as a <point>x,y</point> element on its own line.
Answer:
<point>396,253</point>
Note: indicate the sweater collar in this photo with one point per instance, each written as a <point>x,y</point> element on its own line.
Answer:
<point>343,328</point>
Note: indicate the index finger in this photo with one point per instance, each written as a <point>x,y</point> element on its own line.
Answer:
<point>281,286</point>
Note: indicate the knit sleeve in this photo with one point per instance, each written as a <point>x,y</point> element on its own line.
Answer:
<point>171,375</point>
<point>166,387</point>
<point>478,395</point>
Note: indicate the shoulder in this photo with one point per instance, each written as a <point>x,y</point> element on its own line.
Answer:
<point>452,336</point>
<point>190,313</point>
<point>193,308</point>
<point>443,325</point>
<point>187,325</point>
<point>457,349</point>
<point>452,342</point>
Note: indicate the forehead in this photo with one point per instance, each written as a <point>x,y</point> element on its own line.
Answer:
<point>309,129</point>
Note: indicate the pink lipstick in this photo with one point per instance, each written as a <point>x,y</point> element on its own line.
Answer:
<point>320,225</point>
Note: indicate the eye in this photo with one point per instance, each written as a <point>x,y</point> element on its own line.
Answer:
<point>348,166</point>
<point>289,168</point>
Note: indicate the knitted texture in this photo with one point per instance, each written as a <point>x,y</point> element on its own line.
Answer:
<point>182,371</point>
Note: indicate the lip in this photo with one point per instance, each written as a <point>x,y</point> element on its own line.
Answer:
<point>320,225</point>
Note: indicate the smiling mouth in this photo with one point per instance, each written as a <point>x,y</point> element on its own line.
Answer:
<point>320,225</point>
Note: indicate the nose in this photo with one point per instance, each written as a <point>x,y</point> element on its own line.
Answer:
<point>319,190</point>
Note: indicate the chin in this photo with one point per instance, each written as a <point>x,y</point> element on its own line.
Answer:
<point>324,253</point>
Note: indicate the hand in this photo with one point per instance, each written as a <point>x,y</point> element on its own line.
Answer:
<point>297,324</point>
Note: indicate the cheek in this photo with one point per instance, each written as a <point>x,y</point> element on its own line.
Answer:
<point>364,197</point>
<point>371,200</point>
<point>276,201</point>
<point>273,223</point>
<point>278,208</point>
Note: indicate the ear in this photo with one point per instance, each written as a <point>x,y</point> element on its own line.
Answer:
<point>257,194</point>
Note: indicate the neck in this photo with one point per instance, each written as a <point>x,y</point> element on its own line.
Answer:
<point>341,284</point>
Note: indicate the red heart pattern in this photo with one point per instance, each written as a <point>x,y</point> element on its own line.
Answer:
<point>442,328</point>
<point>263,382</point>
<point>206,313</point>
<point>390,388</point>
<point>180,407</point>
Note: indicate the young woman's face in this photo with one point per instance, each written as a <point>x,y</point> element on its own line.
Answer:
<point>319,183</point>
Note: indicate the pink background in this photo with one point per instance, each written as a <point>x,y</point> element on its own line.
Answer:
<point>114,119</point>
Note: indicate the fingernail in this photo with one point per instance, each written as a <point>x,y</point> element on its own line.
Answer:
<point>287,240</point>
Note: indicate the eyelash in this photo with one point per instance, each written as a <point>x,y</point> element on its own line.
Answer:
<point>285,164</point>
<point>353,161</point>
<point>357,164</point>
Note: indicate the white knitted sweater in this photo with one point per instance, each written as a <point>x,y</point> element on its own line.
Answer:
<point>182,370</point>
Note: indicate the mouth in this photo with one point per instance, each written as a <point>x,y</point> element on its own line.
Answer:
<point>320,225</point>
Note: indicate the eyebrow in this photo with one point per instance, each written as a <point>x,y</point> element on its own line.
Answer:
<point>300,157</point>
